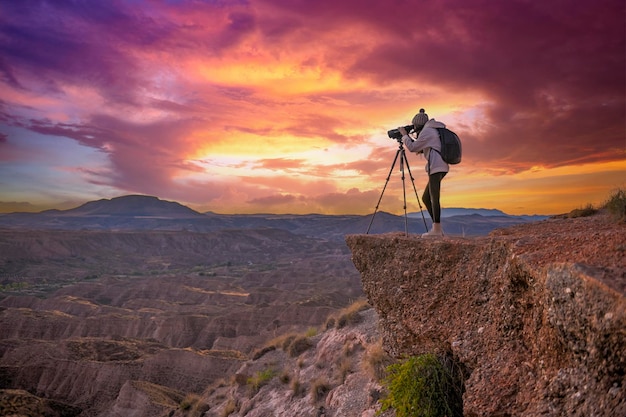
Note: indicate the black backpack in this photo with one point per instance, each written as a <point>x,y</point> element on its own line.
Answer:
<point>450,146</point>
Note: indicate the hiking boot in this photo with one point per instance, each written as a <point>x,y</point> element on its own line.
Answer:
<point>435,231</point>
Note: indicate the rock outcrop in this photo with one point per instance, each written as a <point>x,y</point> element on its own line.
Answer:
<point>334,373</point>
<point>534,315</point>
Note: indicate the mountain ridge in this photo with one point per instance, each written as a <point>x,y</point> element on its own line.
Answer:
<point>141,212</point>
<point>462,211</point>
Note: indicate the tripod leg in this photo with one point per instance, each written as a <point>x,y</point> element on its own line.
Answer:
<point>406,221</point>
<point>383,192</point>
<point>406,161</point>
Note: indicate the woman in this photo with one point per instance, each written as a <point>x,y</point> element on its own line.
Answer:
<point>427,141</point>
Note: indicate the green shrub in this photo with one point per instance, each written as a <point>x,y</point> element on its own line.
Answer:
<point>261,378</point>
<point>422,386</point>
<point>616,205</point>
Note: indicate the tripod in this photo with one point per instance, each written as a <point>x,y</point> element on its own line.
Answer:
<point>403,160</point>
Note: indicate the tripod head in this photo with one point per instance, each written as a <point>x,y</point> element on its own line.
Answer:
<point>400,143</point>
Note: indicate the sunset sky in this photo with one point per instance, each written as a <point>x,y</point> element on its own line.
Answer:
<point>283,106</point>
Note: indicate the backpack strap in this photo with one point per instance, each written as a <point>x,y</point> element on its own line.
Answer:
<point>429,153</point>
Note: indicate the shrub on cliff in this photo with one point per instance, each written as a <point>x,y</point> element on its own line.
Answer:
<point>421,386</point>
<point>616,205</point>
<point>260,378</point>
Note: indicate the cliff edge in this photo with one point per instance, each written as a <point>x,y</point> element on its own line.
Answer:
<point>533,315</point>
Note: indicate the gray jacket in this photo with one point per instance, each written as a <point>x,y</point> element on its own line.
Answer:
<point>428,139</point>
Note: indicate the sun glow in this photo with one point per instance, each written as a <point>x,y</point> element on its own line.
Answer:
<point>276,78</point>
<point>535,191</point>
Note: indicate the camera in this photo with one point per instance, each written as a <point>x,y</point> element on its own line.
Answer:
<point>395,133</point>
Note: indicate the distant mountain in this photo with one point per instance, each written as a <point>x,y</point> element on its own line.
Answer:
<point>133,206</point>
<point>458,211</point>
<point>139,212</point>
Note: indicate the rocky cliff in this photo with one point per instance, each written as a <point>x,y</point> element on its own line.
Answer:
<point>533,316</point>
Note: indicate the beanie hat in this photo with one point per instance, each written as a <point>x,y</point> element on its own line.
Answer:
<point>420,118</point>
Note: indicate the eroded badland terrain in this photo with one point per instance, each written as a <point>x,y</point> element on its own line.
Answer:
<point>261,321</point>
<point>83,313</point>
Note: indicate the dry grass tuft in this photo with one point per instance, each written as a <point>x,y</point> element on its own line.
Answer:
<point>159,394</point>
<point>348,316</point>
<point>586,211</point>
<point>230,408</point>
<point>345,368</point>
<point>193,405</point>
<point>297,388</point>
<point>376,360</point>
<point>285,377</point>
<point>319,389</point>
<point>616,205</point>
<point>292,343</point>
<point>259,353</point>
<point>298,346</point>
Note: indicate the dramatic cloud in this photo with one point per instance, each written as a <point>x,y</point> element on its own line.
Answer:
<point>283,105</point>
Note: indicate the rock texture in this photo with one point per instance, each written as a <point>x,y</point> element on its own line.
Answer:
<point>533,315</point>
<point>334,373</point>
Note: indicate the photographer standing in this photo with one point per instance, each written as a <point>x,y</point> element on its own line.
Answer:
<point>428,140</point>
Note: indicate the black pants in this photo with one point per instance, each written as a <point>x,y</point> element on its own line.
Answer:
<point>431,196</point>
